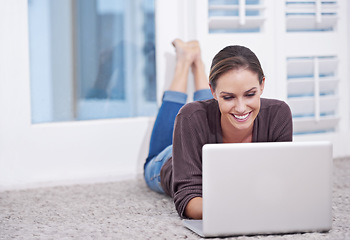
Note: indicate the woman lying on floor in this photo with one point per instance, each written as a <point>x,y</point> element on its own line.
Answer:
<point>227,110</point>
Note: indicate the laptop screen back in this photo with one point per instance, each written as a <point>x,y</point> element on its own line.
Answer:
<point>251,188</point>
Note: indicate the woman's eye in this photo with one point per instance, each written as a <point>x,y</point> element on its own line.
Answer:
<point>227,97</point>
<point>250,94</point>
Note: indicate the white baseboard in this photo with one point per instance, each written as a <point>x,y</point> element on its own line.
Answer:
<point>69,182</point>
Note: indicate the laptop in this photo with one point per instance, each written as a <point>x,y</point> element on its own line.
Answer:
<point>265,188</point>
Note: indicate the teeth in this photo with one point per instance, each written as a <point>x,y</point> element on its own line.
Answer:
<point>241,117</point>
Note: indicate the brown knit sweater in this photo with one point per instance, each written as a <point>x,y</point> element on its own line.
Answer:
<point>198,123</point>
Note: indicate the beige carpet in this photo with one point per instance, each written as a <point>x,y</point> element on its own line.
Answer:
<point>128,210</point>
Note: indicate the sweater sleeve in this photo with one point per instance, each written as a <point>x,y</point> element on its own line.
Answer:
<point>282,124</point>
<point>189,137</point>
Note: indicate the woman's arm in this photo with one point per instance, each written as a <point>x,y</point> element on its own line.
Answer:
<point>283,130</point>
<point>194,208</point>
<point>190,134</point>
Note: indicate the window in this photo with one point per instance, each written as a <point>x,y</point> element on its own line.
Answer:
<point>235,16</point>
<point>92,59</point>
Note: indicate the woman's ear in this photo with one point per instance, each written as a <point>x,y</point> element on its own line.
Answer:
<point>213,91</point>
<point>262,86</point>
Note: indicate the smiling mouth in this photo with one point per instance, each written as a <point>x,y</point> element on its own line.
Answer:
<point>241,117</point>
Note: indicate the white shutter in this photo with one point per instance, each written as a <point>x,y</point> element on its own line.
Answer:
<point>313,44</point>
<point>305,15</point>
<point>235,16</point>
<point>312,86</point>
<point>312,81</point>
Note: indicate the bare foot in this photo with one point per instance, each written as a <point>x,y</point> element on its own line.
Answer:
<point>198,69</point>
<point>188,52</point>
<point>188,55</point>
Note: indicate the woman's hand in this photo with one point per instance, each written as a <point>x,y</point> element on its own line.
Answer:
<point>194,208</point>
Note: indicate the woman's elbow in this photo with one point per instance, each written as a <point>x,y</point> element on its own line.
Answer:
<point>194,208</point>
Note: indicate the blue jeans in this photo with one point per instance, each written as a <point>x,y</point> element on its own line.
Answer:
<point>160,149</point>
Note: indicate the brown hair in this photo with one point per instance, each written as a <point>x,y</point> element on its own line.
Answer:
<point>234,58</point>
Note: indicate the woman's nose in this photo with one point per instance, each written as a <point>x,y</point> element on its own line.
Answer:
<point>240,106</point>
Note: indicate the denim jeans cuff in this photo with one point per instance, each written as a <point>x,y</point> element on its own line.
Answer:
<point>203,94</point>
<point>173,96</point>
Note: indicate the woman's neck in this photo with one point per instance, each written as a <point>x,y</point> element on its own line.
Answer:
<point>233,135</point>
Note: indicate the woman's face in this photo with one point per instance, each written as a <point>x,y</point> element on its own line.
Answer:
<point>238,94</point>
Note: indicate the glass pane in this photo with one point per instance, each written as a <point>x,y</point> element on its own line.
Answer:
<point>91,59</point>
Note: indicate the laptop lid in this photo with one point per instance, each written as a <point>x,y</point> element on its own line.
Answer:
<point>262,188</point>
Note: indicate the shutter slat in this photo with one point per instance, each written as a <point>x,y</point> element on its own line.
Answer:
<point>311,8</point>
<point>305,86</point>
<point>328,65</point>
<point>235,7</point>
<point>304,106</point>
<point>235,17</point>
<point>310,125</point>
<point>308,22</point>
<point>233,22</point>
<point>300,67</point>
